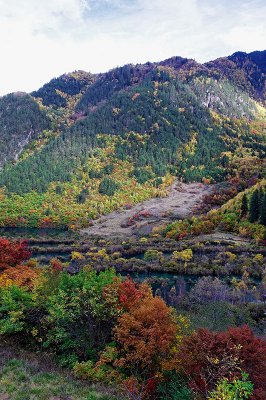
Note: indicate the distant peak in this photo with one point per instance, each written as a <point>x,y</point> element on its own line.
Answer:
<point>175,62</point>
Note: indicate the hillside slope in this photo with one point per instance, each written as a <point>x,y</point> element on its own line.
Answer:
<point>247,71</point>
<point>176,118</point>
<point>21,121</point>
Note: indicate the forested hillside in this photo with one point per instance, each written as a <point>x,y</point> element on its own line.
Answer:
<point>176,118</point>
<point>247,71</point>
<point>54,93</point>
<point>21,121</point>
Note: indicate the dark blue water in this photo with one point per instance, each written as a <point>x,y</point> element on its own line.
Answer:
<point>27,233</point>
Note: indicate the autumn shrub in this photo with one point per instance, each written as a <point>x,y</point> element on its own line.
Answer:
<point>207,357</point>
<point>236,389</point>
<point>249,229</point>
<point>152,255</point>
<point>183,255</point>
<point>145,335</point>
<point>146,338</point>
<point>12,253</point>
<point>177,230</point>
<point>12,272</point>
<point>19,276</point>
<point>131,294</point>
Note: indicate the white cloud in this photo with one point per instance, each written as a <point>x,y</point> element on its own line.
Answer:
<point>42,39</point>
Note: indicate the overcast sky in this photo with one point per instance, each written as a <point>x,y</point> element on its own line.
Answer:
<point>42,39</point>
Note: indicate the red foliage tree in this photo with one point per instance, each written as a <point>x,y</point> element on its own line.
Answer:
<point>12,253</point>
<point>206,357</point>
<point>130,293</point>
<point>56,265</point>
<point>253,357</point>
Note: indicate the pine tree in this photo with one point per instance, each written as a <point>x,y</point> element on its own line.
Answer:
<point>108,187</point>
<point>254,207</point>
<point>262,218</point>
<point>244,205</point>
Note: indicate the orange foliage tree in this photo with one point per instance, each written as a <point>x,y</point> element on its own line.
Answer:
<point>146,335</point>
<point>19,276</point>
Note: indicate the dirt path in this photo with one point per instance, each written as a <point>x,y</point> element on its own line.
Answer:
<point>140,219</point>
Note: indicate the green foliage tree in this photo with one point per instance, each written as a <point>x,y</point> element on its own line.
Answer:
<point>238,389</point>
<point>175,387</point>
<point>108,186</point>
<point>80,316</point>
<point>15,303</point>
<point>262,218</point>
<point>244,205</point>
<point>82,196</point>
<point>254,206</point>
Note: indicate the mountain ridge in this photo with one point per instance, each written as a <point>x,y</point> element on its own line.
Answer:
<point>174,118</point>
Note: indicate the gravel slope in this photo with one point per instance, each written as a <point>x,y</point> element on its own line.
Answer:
<point>140,219</point>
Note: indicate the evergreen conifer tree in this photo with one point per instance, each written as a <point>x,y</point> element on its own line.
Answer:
<point>244,205</point>
<point>262,218</point>
<point>254,208</point>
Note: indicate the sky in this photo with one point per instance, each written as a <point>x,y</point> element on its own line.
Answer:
<point>42,39</point>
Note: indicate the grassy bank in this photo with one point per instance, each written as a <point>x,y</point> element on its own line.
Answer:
<point>27,376</point>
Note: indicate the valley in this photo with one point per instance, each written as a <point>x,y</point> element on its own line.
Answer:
<point>133,232</point>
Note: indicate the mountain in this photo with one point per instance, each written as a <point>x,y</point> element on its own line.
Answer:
<point>247,71</point>
<point>21,121</point>
<point>85,144</point>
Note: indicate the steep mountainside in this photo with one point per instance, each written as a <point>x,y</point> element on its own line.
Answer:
<point>247,71</point>
<point>21,121</point>
<point>154,121</point>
